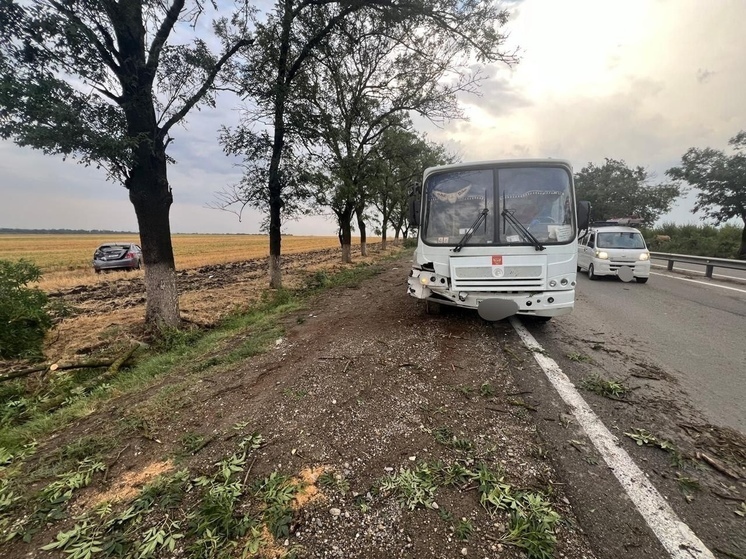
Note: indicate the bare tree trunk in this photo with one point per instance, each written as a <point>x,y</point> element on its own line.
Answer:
<point>275,271</point>
<point>347,242</point>
<point>151,197</point>
<point>147,182</point>
<point>275,206</point>
<point>384,227</point>
<point>345,224</point>
<point>361,225</point>
<point>162,300</point>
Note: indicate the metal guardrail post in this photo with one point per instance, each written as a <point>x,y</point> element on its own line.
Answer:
<point>708,270</point>
<point>670,265</point>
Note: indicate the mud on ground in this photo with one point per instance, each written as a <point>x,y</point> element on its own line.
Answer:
<point>363,387</point>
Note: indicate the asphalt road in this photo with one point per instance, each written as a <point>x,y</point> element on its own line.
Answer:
<point>695,329</point>
<point>679,343</point>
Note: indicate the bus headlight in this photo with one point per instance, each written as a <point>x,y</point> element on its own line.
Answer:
<point>552,283</point>
<point>424,280</point>
<point>645,256</point>
<point>602,254</point>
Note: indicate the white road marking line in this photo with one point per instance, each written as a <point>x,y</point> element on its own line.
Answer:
<point>676,537</point>
<point>700,282</point>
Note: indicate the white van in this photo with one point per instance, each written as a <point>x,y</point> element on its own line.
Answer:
<point>614,251</point>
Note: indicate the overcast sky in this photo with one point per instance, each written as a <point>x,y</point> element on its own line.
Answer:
<point>638,80</point>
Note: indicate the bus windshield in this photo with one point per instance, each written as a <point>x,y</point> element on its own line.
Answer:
<point>538,198</point>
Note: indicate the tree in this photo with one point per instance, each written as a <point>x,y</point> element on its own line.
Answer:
<point>96,80</point>
<point>720,180</point>
<point>23,314</point>
<point>296,174</point>
<point>369,75</point>
<point>293,32</point>
<point>615,190</point>
<point>401,156</point>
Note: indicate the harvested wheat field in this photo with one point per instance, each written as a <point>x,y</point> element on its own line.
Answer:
<point>217,275</point>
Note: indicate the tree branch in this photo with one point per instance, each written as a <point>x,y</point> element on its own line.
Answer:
<point>88,32</point>
<point>205,87</point>
<point>154,54</point>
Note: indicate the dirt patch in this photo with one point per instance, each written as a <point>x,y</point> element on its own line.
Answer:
<point>127,487</point>
<point>109,314</point>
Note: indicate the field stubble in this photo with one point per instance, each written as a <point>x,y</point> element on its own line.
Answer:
<point>216,274</point>
<point>67,260</point>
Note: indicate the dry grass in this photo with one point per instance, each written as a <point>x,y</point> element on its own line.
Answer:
<point>66,260</point>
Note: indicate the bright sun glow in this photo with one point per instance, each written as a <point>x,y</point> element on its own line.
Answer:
<point>564,54</point>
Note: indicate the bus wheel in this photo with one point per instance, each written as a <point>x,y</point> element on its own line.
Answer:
<point>433,308</point>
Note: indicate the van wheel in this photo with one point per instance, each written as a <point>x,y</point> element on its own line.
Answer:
<point>591,275</point>
<point>642,280</point>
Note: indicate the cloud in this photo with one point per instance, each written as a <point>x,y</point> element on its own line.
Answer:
<point>639,81</point>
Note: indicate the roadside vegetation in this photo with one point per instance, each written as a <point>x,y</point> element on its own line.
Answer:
<point>23,314</point>
<point>695,240</point>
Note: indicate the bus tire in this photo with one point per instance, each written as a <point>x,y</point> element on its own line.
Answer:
<point>432,308</point>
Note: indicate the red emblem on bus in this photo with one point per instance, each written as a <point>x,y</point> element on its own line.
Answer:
<point>497,260</point>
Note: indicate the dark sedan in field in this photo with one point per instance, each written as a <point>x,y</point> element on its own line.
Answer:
<point>117,256</point>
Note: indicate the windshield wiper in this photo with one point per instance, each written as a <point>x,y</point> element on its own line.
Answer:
<point>469,232</point>
<point>510,218</point>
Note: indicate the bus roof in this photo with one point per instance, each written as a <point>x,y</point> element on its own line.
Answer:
<point>542,162</point>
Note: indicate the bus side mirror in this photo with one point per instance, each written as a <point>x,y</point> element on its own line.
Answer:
<point>414,207</point>
<point>584,215</point>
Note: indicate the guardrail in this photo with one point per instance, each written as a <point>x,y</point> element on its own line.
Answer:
<point>709,263</point>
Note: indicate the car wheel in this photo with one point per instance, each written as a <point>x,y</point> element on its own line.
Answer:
<point>591,275</point>
<point>97,271</point>
<point>642,280</point>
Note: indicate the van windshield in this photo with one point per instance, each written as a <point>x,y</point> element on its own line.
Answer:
<point>620,240</point>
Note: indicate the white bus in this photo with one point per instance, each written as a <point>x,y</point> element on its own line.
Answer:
<point>497,236</point>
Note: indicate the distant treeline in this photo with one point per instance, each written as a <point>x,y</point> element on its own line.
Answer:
<point>7,231</point>
<point>695,240</point>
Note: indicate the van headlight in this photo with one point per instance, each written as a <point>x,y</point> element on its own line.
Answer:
<point>645,256</point>
<point>602,254</point>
